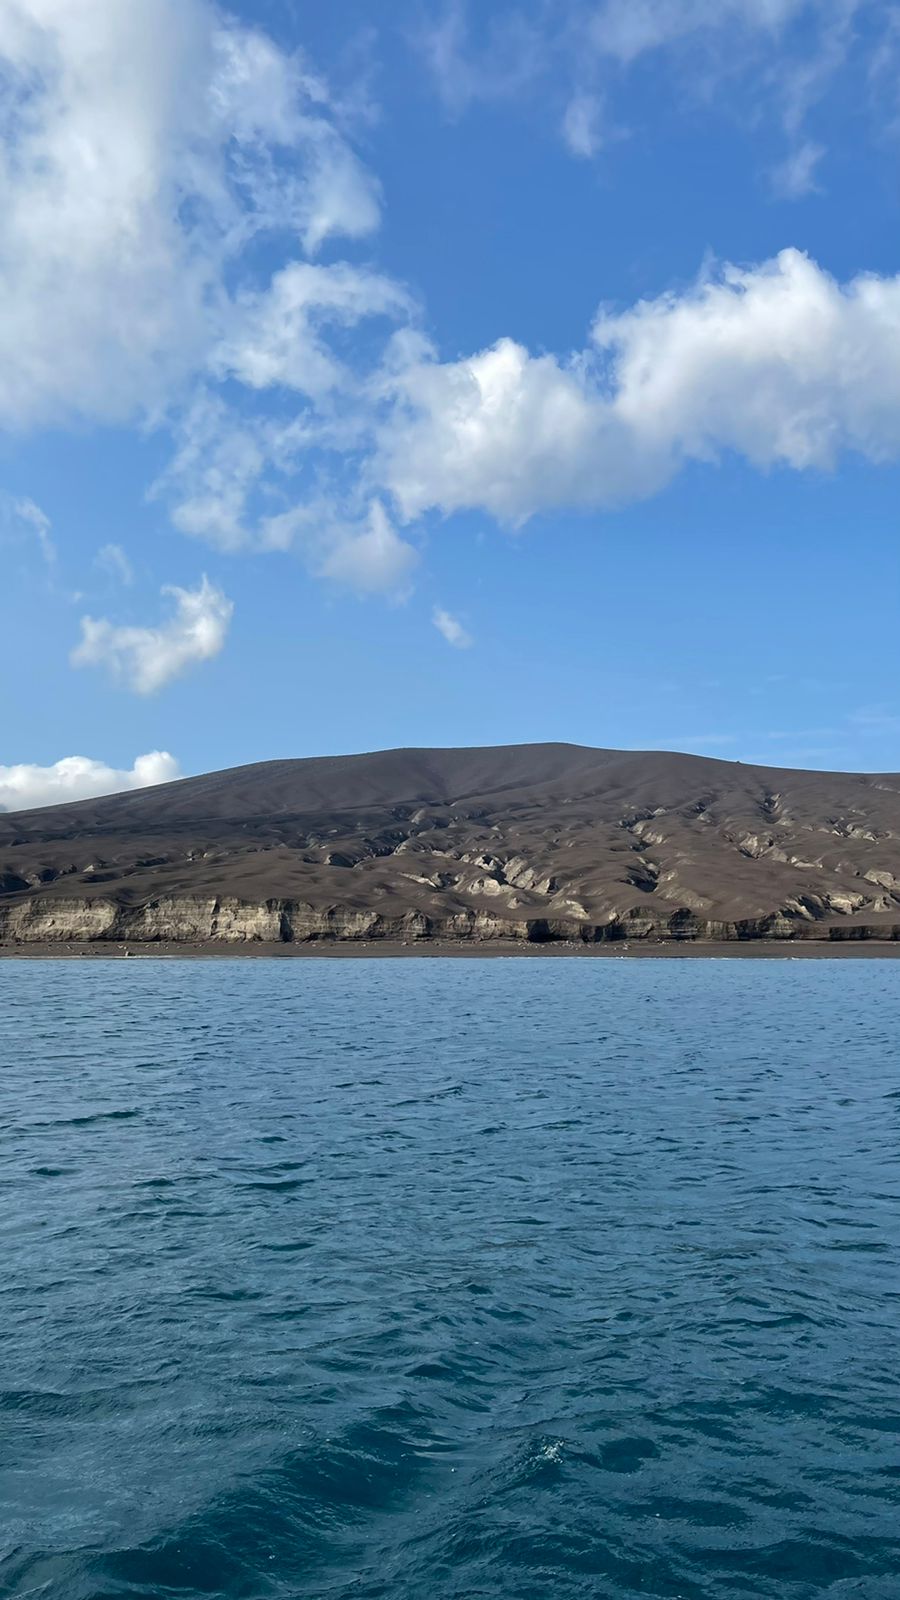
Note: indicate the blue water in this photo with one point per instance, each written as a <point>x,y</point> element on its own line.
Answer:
<point>449,1278</point>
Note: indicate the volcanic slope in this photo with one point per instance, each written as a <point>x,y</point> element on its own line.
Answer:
<point>525,841</point>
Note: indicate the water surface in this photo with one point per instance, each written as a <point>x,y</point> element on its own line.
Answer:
<point>449,1279</point>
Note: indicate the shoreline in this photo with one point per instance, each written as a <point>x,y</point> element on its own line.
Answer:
<point>375,949</point>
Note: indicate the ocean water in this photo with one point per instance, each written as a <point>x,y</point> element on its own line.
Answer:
<point>448,1279</point>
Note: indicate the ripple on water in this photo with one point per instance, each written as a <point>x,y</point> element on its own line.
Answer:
<point>450,1279</point>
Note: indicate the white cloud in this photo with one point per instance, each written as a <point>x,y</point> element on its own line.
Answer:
<point>360,549</point>
<point>235,471</point>
<point>229,472</point>
<point>507,432</point>
<point>451,629</point>
<point>80,778</point>
<point>582,124</point>
<point>505,63</point>
<point>218,463</point>
<point>148,658</point>
<point>796,175</point>
<point>626,29</point>
<point>779,363</point>
<point>278,335</point>
<point>373,559</point>
<point>112,560</point>
<point>784,53</point>
<point>342,198</point>
<point>144,147</point>
<point>22,520</point>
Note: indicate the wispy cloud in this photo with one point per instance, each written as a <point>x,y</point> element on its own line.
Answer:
<point>451,629</point>
<point>495,66</point>
<point>112,560</point>
<point>699,742</point>
<point>22,520</point>
<point>796,175</point>
<point>372,558</point>
<point>875,720</point>
<point>582,124</point>
<point>787,53</point>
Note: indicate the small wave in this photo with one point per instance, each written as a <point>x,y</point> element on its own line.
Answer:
<point>267,1334</point>
<point>88,1119</point>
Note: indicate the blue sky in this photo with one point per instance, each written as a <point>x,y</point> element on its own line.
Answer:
<point>474,375</point>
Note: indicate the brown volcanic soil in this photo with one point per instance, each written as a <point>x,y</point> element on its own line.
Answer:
<point>551,834</point>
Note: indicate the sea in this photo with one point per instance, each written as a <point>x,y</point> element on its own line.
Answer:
<point>423,1280</point>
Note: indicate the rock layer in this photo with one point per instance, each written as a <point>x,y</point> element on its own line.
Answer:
<point>532,843</point>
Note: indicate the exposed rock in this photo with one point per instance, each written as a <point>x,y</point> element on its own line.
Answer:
<point>885,880</point>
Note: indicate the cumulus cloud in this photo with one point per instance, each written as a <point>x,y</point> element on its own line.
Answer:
<point>80,778</point>
<point>144,147</point>
<point>779,363</point>
<point>144,152</point>
<point>506,432</point>
<point>148,658</point>
<point>451,629</point>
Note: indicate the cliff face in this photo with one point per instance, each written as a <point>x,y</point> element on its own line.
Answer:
<point>531,843</point>
<point>190,920</point>
<point>194,921</point>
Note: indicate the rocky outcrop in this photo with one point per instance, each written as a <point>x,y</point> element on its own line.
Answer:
<point>48,921</point>
<point>190,920</point>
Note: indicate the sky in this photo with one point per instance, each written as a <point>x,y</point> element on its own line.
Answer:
<point>444,374</point>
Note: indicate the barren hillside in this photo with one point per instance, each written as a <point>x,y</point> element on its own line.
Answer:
<point>525,841</point>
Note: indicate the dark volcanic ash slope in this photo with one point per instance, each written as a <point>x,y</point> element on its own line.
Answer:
<point>530,841</point>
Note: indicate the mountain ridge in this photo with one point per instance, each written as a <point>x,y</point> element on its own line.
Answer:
<point>523,841</point>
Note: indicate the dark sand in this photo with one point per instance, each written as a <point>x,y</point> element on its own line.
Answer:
<point>379,950</point>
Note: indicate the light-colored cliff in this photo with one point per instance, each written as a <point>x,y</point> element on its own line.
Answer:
<point>194,920</point>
